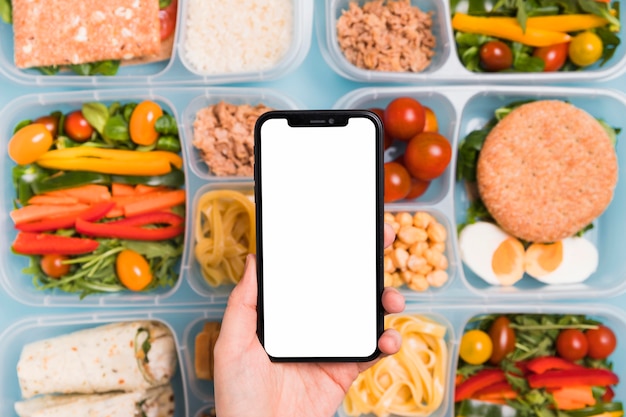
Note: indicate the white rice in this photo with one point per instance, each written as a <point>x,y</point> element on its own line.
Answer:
<point>230,36</point>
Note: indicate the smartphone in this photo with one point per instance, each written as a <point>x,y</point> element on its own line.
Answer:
<point>319,210</point>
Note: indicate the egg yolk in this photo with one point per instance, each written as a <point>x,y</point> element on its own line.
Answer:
<point>543,258</point>
<point>507,261</point>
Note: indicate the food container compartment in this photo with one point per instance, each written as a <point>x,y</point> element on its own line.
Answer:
<point>126,74</point>
<point>250,96</point>
<point>457,316</point>
<point>469,109</point>
<point>302,12</point>
<point>192,271</point>
<point>12,264</point>
<point>37,328</point>
<point>446,65</point>
<point>445,112</point>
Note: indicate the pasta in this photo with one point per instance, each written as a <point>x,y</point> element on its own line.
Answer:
<point>409,383</point>
<point>224,231</point>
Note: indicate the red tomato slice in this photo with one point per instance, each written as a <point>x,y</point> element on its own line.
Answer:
<point>167,18</point>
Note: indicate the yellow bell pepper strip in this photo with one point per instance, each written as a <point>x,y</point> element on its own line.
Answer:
<point>116,154</point>
<point>557,23</point>
<point>507,30</point>
<point>108,166</point>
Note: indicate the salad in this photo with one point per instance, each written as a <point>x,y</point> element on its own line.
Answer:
<point>535,36</point>
<point>536,365</point>
<point>98,200</point>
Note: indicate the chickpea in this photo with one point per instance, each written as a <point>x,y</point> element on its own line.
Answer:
<point>437,278</point>
<point>418,248</point>
<point>437,232</point>
<point>411,234</point>
<point>415,263</point>
<point>388,279</point>
<point>422,219</point>
<point>389,218</point>
<point>432,257</point>
<point>418,283</point>
<point>388,265</point>
<point>404,219</point>
<point>397,280</point>
<point>399,257</point>
<point>439,247</point>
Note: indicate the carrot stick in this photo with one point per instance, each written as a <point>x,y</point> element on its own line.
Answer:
<point>124,200</point>
<point>118,189</point>
<point>160,201</point>
<point>38,212</point>
<point>574,397</point>
<point>53,200</point>
<point>146,189</point>
<point>90,193</point>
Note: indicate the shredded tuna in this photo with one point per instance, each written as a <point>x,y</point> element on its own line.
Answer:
<point>224,135</point>
<point>387,36</point>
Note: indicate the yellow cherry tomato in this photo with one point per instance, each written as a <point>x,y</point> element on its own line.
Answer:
<point>476,347</point>
<point>585,49</point>
<point>29,143</point>
<point>142,121</point>
<point>133,270</point>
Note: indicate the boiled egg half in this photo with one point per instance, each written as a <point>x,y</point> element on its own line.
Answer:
<point>501,259</point>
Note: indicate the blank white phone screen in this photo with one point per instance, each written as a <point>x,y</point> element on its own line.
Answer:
<point>318,191</point>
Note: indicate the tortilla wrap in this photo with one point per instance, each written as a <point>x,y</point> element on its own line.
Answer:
<point>155,402</point>
<point>125,356</point>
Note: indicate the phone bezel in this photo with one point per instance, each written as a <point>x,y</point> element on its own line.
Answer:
<point>321,119</point>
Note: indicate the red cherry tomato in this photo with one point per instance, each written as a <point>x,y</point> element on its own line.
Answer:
<point>167,19</point>
<point>387,139</point>
<point>495,56</point>
<point>404,118</point>
<point>418,188</point>
<point>503,339</point>
<point>50,122</point>
<point>397,182</point>
<point>77,127</point>
<point>427,155</point>
<point>602,342</point>
<point>553,56</point>
<point>53,266</point>
<point>571,344</point>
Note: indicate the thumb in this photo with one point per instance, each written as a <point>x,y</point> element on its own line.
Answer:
<point>240,317</point>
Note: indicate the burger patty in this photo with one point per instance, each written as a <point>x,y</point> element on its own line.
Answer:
<point>546,171</point>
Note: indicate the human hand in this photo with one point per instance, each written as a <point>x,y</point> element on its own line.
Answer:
<point>247,383</point>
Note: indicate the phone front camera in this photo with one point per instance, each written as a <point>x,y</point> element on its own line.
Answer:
<point>331,121</point>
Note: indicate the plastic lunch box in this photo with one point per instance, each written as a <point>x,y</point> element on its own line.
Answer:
<point>461,110</point>
<point>445,65</point>
<point>189,289</point>
<point>174,70</point>
<point>193,397</point>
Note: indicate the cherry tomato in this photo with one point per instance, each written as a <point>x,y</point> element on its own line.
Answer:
<point>387,139</point>
<point>77,127</point>
<point>431,124</point>
<point>585,49</point>
<point>503,339</point>
<point>53,266</point>
<point>495,56</point>
<point>167,19</point>
<point>397,182</point>
<point>418,188</point>
<point>404,118</point>
<point>427,155</point>
<point>29,143</point>
<point>571,344</point>
<point>602,342</point>
<point>476,347</point>
<point>50,122</point>
<point>133,270</point>
<point>553,56</point>
<point>142,121</point>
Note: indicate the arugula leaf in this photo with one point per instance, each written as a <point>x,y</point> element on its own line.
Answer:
<point>96,114</point>
<point>49,70</point>
<point>610,42</point>
<point>599,9</point>
<point>521,15</point>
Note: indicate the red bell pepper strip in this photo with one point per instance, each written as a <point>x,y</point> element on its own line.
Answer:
<point>92,214</point>
<point>499,390</point>
<point>572,377</point>
<point>476,382</point>
<point>46,244</point>
<point>155,217</point>
<point>547,363</point>
<point>113,230</point>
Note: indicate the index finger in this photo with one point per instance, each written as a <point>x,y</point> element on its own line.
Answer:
<point>390,235</point>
